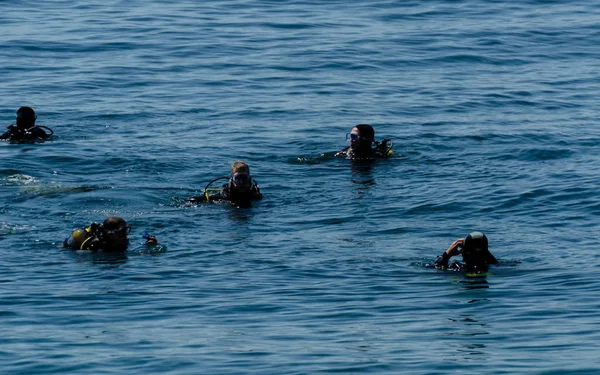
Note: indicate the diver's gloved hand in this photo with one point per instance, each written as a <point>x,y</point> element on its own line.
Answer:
<point>198,199</point>
<point>150,240</point>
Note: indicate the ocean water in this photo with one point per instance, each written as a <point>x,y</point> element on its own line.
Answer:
<point>492,107</point>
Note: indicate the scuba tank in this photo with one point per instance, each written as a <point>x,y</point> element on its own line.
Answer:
<point>86,239</point>
<point>384,148</point>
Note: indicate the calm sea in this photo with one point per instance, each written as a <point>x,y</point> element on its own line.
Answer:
<point>493,110</point>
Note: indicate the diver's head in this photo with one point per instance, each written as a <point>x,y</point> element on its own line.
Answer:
<point>26,118</point>
<point>115,231</point>
<point>475,250</point>
<point>361,137</point>
<point>241,181</point>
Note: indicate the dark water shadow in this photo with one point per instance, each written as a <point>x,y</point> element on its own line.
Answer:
<point>474,281</point>
<point>362,172</point>
<point>241,213</point>
<point>111,259</point>
<point>472,332</point>
<point>57,190</point>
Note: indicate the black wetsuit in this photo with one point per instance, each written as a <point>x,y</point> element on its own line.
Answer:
<point>380,151</point>
<point>442,263</point>
<point>15,133</point>
<point>226,194</point>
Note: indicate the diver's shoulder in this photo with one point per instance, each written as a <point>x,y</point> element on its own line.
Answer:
<point>38,132</point>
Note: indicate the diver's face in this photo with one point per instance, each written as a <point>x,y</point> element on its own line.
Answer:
<point>117,239</point>
<point>473,256</point>
<point>354,138</point>
<point>25,122</point>
<point>241,181</point>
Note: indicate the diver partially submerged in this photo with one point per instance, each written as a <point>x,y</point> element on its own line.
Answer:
<point>109,236</point>
<point>475,253</point>
<point>364,146</point>
<point>240,188</point>
<point>25,129</point>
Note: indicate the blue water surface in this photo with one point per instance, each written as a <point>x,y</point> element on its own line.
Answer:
<point>492,107</point>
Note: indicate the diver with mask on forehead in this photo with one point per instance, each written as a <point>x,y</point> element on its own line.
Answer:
<point>475,254</point>
<point>25,128</point>
<point>240,188</point>
<point>363,145</point>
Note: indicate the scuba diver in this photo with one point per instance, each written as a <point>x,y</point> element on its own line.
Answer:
<point>475,254</point>
<point>240,188</point>
<point>109,236</point>
<point>25,129</point>
<point>364,146</point>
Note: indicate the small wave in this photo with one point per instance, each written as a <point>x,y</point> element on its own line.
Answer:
<point>58,189</point>
<point>316,159</point>
<point>21,179</point>
<point>8,228</point>
<point>536,154</point>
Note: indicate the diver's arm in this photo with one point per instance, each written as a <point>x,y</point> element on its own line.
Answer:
<point>442,261</point>
<point>39,133</point>
<point>10,132</point>
<point>256,194</point>
<point>203,198</point>
<point>68,242</point>
<point>453,250</point>
<point>149,244</point>
<point>198,199</point>
<point>343,152</point>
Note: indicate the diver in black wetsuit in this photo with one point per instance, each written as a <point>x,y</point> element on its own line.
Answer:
<point>109,236</point>
<point>475,253</point>
<point>240,188</point>
<point>25,129</point>
<point>363,145</point>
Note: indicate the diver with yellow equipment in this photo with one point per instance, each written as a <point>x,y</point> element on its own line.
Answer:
<point>240,188</point>
<point>25,129</point>
<point>111,236</point>
<point>363,145</point>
